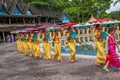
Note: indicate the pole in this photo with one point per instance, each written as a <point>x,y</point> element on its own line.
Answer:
<point>3,37</point>
<point>9,20</point>
<point>23,21</point>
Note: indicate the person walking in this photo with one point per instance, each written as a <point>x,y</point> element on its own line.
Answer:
<point>112,57</point>
<point>46,45</point>
<point>12,38</point>
<point>8,38</point>
<point>36,47</point>
<point>100,58</point>
<point>57,46</point>
<point>71,37</point>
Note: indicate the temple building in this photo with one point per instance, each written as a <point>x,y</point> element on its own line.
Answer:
<point>15,14</point>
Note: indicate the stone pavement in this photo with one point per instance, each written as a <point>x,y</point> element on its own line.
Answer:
<point>15,66</point>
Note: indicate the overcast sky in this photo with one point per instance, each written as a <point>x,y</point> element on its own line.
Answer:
<point>114,8</point>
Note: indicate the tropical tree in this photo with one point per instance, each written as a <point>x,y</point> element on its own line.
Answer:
<point>78,10</point>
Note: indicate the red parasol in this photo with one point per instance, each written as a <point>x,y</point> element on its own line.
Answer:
<point>99,20</point>
<point>68,24</point>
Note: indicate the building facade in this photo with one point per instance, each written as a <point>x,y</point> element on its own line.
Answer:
<point>15,14</point>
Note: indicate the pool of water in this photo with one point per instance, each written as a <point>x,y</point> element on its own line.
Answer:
<point>82,50</point>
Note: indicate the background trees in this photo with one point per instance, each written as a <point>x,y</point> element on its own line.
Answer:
<point>78,10</point>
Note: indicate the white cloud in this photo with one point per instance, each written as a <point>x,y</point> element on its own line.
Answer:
<point>114,8</point>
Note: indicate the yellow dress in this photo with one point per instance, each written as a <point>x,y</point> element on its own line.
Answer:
<point>100,58</point>
<point>30,45</point>
<point>20,43</point>
<point>71,45</point>
<point>17,43</point>
<point>26,45</point>
<point>46,48</point>
<point>36,47</point>
<point>57,47</point>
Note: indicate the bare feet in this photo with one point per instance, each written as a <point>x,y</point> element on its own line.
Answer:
<point>61,60</point>
<point>53,58</point>
<point>26,54</point>
<point>72,61</point>
<point>106,69</point>
<point>98,64</point>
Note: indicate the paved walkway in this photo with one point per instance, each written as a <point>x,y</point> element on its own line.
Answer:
<point>15,66</point>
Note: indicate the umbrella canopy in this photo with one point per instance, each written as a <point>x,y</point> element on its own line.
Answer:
<point>111,22</point>
<point>99,21</point>
<point>68,25</point>
<point>83,25</point>
<point>42,27</point>
<point>17,31</point>
<point>54,25</point>
<point>51,28</point>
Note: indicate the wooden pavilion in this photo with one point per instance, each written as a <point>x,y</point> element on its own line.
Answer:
<point>15,14</point>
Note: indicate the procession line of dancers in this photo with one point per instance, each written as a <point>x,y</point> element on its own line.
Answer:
<point>30,42</point>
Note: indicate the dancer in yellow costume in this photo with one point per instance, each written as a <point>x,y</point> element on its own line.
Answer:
<point>24,44</point>
<point>100,58</point>
<point>46,45</point>
<point>18,42</point>
<point>71,45</point>
<point>57,46</point>
<point>30,44</point>
<point>36,47</point>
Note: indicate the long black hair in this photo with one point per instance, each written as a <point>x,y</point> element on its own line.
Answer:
<point>111,29</point>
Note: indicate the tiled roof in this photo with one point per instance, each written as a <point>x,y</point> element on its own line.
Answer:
<point>23,7</point>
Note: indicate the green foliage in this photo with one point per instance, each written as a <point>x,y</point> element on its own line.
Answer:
<point>115,15</point>
<point>78,10</point>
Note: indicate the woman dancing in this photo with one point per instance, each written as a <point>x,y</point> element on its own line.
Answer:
<point>111,44</point>
<point>100,59</point>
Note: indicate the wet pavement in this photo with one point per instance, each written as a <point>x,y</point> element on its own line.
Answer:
<point>15,66</point>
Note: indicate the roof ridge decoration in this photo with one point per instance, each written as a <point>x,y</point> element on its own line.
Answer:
<point>65,18</point>
<point>17,10</point>
<point>28,10</point>
<point>3,10</point>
